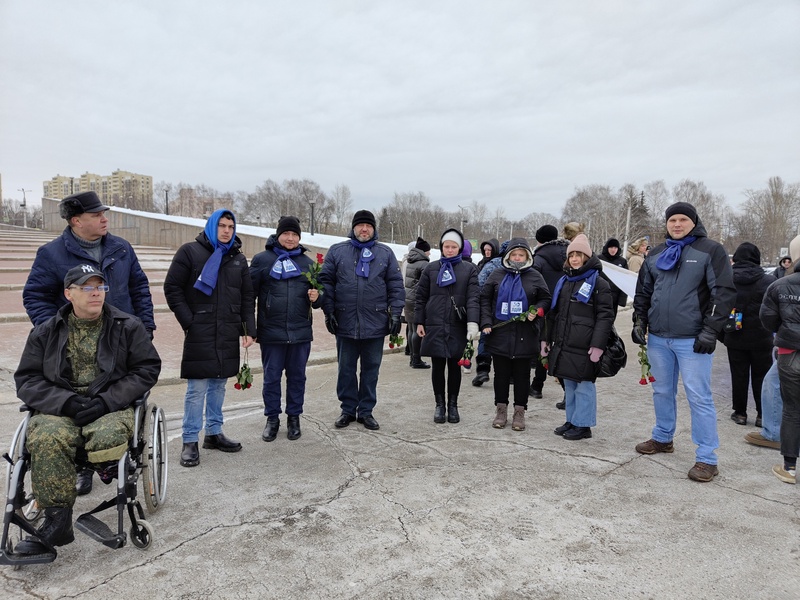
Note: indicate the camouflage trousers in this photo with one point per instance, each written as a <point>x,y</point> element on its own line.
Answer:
<point>53,443</point>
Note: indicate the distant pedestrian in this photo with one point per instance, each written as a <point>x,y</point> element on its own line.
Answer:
<point>483,358</point>
<point>418,259</point>
<point>637,253</point>
<point>783,267</point>
<point>489,250</point>
<point>611,253</point>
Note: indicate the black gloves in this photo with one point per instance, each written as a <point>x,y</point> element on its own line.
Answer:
<point>331,324</point>
<point>706,341</point>
<point>71,407</point>
<point>639,333</point>
<point>90,411</point>
<point>394,325</point>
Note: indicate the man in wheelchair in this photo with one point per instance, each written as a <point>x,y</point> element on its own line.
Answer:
<point>80,373</point>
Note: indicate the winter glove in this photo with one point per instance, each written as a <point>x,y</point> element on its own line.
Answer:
<point>472,331</point>
<point>544,350</point>
<point>331,324</point>
<point>706,341</point>
<point>394,325</point>
<point>92,409</point>
<point>639,333</point>
<point>595,354</point>
<point>71,407</point>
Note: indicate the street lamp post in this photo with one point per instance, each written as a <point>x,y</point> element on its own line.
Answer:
<point>312,202</point>
<point>463,220</point>
<point>392,224</point>
<point>24,207</point>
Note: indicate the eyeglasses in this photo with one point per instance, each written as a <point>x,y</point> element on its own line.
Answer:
<point>90,288</point>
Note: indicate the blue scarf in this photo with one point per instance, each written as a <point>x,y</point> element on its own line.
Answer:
<point>670,257</point>
<point>208,277</point>
<point>285,267</point>
<point>366,256</point>
<point>512,300</point>
<point>447,275</point>
<point>584,292</point>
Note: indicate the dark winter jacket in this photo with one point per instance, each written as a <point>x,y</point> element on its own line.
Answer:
<point>573,326</point>
<point>43,294</point>
<point>751,282</point>
<point>212,324</point>
<point>284,310</point>
<point>361,305</point>
<point>517,339</point>
<point>445,333</point>
<point>549,259</point>
<point>495,263</point>
<point>698,291</point>
<point>780,311</point>
<point>495,246</point>
<point>620,297</point>
<point>415,265</point>
<point>126,358</point>
<point>780,270</point>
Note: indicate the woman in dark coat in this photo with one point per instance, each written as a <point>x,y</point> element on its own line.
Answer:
<point>513,292</point>
<point>415,264</point>
<point>611,253</point>
<point>578,325</point>
<point>749,344</point>
<point>447,311</point>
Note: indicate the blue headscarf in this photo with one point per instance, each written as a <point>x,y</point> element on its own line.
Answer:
<point>670,257</point>
<point>208,277</point>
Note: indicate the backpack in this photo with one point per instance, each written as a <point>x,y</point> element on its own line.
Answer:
<point>615,357</point>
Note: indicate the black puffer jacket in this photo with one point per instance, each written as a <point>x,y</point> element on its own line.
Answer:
<point>574,326</point>
<point>620,297</point>
<point>284,310</point>
<point>780,311</point>
<point>495,246</point>
<point>445,333</point>
<point>549,259</point>
<point>415,264</point>
<point>518,339</point>
<point>213,324</point>
<point>128,362</point>
<point>751,282</point>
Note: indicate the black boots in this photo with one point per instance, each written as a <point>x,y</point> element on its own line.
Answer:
<point>55,531</point>
<point>292,426</point>
<point>417,363</point>
<point>221,442</point>
<point>271,429</point>
<point>438,414</point>
<point>190,455</point>
<point>84,483</point>
<point>452,409</point>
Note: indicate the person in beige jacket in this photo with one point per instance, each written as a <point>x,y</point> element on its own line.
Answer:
<point>636,254</point>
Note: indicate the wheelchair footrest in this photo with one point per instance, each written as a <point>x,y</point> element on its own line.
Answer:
<point>97,530</point>
<point>10,558</point>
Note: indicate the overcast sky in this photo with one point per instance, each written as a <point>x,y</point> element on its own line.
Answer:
<point>511,103</point>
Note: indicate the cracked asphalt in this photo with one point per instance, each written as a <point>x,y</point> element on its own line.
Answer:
<point>420,510</point>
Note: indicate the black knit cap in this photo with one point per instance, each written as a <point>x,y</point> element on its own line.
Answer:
<point>363,216</point>
<point>681,208</point>
<point>747,252</point>
<point>77,204</point>
<point>546,233</point>
<point>288,224</point>
<point>422,245</point>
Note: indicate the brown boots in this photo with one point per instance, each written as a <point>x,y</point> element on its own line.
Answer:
<point>518,422</point>
<point>501,416</point>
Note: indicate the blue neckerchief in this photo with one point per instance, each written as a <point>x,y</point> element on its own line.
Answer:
<point>285,267</point>
<point>447,275</point>
<point>584,292</point>
<point>670,257</point>
<point>512,300</point>
<point>208,276</point>
<point>366,256</point>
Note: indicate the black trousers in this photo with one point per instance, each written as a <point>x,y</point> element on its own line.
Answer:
<point>506,370</point>
<point>748,369</point>
<point>438,365</point>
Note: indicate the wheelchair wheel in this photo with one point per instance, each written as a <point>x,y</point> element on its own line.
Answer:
<point>154,455</point>
<point>142,534</point>
<point>28,509</point>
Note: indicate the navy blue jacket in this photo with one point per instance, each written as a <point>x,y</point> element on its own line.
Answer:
<point>43,294</point>
<point>361,305</point>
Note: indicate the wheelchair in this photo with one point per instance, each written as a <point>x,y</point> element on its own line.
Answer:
<point>145,460</point>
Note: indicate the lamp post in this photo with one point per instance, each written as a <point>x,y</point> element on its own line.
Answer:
<point>312,202</point>
<point>24,207</point>
<point>392,224</point>
<point>166,202</point>
<point>463,220</point>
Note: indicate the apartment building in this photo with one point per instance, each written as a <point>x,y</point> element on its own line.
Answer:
<point>121,188</point>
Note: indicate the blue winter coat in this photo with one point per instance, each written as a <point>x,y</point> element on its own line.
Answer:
<point>43,294</point>
<point>284,310</point>
<point>361,305</point>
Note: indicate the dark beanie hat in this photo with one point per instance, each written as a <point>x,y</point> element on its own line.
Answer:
<point>546,233</point>
<point>681,208</point>
<point>747,252</point>
<point>422,245</point>
<point>613,243</point>
<point>363,216</point>
<point>288,224</point>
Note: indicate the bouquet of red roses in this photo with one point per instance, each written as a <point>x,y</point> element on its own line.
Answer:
<point>645,363</point>
<point>466,357</point>
<point>396,340</point>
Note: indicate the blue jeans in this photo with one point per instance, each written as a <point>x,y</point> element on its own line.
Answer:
<point>581,403</point>
<point>275,358</point>
<point>771,405</point>
<point>670,357</point>
<point>358,398</point>
<point>210,392</point>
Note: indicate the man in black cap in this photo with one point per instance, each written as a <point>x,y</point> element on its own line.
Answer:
<point>362,298</point>
<point>86,240</point>
<point>684,295</point>
<point>80,373</point>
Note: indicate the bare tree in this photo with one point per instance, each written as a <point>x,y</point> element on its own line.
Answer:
<point>771,217</point>
<point>709,206</point>
<point>342,206</point>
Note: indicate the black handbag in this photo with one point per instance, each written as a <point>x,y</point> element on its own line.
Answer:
<point>614,358</point>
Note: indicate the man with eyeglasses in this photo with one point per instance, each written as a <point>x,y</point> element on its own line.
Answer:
<point>80,373</point>
<point>86,240</point>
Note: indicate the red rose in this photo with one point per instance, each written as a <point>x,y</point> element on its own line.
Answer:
<point>643,381</point>
<point>320,258</point>
<point>540,312</point>
<point>238,386</point>
<point>651,379</point>
<point>467,363</point>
